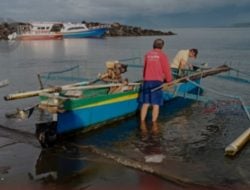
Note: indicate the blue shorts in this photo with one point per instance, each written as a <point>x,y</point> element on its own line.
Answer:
<point>147,96</point>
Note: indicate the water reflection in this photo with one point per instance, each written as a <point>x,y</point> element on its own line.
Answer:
<point>8,46</point>
<point>148,131</point>
<point>52,166</point>
<point>74,169</point>
<point>151,146</point>
<point>193,151</point>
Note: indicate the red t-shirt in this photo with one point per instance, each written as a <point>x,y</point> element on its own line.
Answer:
<point>156,66</point>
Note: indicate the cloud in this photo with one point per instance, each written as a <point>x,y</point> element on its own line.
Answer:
<point>134,11</point>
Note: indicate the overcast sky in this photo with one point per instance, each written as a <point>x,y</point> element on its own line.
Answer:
<point>145,13</point>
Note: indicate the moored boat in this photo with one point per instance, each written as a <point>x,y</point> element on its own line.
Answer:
<point>38,31</point>
<point>80,30</point>
<point>58,30</point>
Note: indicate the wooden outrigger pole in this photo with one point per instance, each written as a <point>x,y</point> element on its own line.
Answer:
<point>33,93</point>
<point>28,94</point>
<point>197,75</point>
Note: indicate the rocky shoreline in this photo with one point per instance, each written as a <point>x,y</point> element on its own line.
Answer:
<point>6,29</point>
<point>115,29</point>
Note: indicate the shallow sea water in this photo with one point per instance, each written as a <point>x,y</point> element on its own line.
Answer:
<point>190,137</point>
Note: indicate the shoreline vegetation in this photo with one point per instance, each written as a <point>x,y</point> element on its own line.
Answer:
<point>114,30</point>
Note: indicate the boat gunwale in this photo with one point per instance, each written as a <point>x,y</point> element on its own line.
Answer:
<point>77,103</point>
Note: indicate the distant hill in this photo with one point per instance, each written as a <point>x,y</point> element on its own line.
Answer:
<point>242,24</point>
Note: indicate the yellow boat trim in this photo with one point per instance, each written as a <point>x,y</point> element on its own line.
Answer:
<point>114,100</point>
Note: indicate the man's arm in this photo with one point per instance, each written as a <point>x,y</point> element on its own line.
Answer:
<point>166,69</point>
<point>184,64</point>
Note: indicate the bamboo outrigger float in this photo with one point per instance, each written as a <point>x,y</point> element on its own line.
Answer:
<point>238,143</point>
<point>83,106</point>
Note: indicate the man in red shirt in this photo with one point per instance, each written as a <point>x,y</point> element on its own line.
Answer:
<point>156,70</point>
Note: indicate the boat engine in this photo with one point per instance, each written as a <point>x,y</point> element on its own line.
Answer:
<point>114,71</point>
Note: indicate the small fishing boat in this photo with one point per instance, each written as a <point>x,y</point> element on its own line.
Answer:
<point>84,105</point>
<point>80,30</point>
<point>39,31</point>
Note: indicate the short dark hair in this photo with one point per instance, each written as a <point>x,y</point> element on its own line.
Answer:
<point>158,43</point>
<point>195,51</point>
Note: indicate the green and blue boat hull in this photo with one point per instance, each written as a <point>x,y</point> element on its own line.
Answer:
<point>84,113</point>
<point>93,113</point>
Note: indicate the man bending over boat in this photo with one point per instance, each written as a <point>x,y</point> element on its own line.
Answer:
<point>180,62</point>
<point>156,70</point>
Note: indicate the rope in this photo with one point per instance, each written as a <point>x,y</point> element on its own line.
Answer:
<point>244,78</point>
<point>209,89</point>
<point>49,75</point>
<point>244,107</point>
<point>63,71</point>
<point>222,94</point>
<point>239,71</point>
<point>136,64</point>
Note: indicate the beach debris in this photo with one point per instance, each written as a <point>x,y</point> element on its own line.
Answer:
<point>4,170</point>
<point>4,83</point>
<point>21,113</point>
<point>155,158</point>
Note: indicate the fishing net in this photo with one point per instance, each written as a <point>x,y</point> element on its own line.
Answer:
<point>67,75</point>
<point>235,74</point>
<point>79,73</point>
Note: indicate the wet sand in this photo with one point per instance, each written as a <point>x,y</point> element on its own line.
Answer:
<point>23,164</point>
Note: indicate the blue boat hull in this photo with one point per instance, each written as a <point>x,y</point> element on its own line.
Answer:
<point>91,33</point>
<point>84,118</point>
